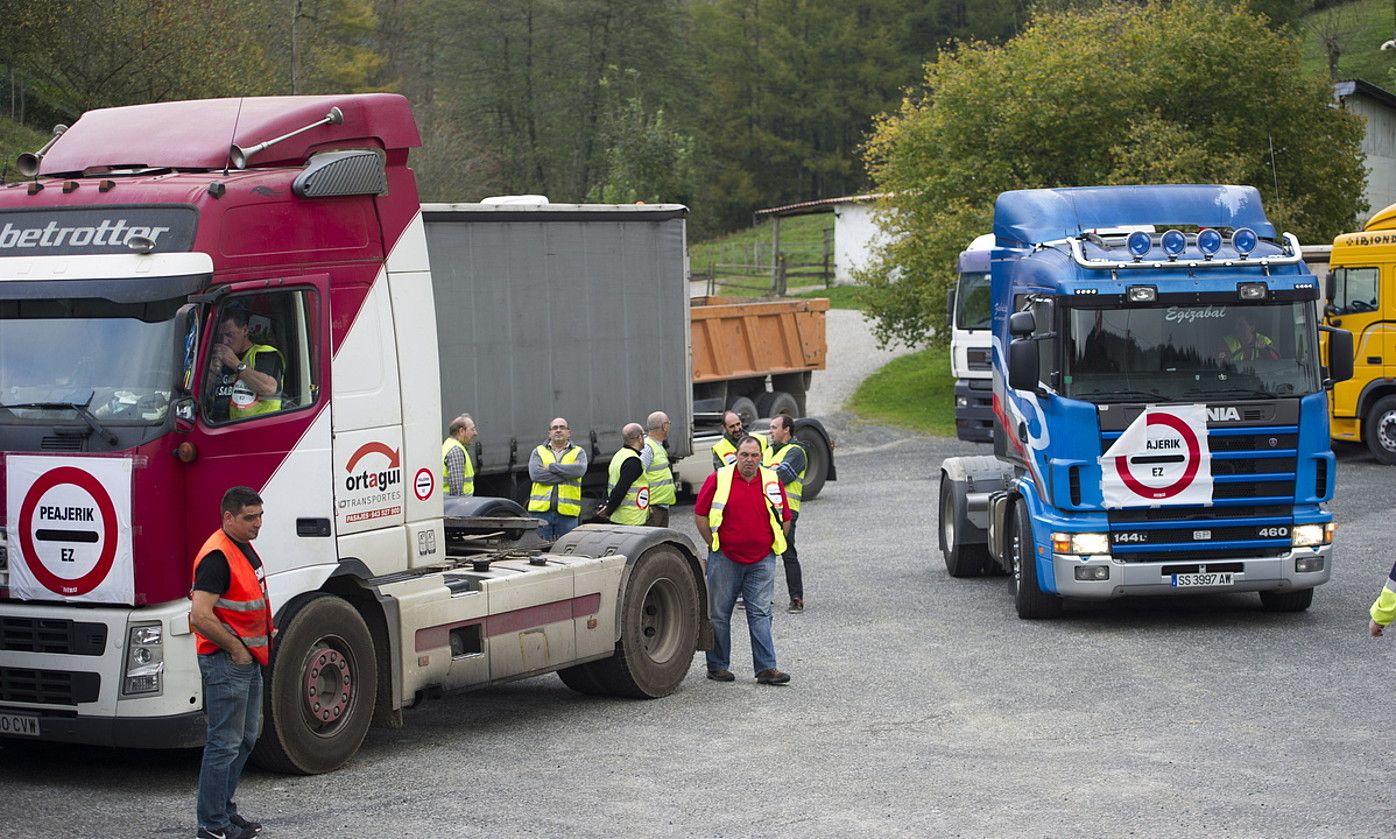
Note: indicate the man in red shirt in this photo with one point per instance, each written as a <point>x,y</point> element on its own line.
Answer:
<point>742,514</point>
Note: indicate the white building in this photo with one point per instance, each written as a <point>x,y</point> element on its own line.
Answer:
<point>856,231</point>
<point>1378,108</point>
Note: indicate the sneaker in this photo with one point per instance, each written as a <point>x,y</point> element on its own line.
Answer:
<point>232,831</point>
<point>721,676</point>
<point>772,676</point>
<point>245,824</point>
<point>797,605</point>
<point>741,604</point>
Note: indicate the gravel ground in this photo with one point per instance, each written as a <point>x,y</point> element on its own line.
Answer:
<point>920,705</point>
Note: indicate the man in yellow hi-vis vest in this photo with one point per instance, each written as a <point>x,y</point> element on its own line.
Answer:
<point>457,469</point>
<point>556,468</point>
<point>658,473</point>
<point>246,376</point>
<point>627,492</point>
<point>742,514</point>
<point>787,459</point>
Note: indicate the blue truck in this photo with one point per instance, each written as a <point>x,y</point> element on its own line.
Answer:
<point>1160,403</point>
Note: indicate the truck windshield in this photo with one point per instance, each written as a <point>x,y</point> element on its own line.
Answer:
<point>116,361</point>
<point>972,309</point>
<point>1175,353</point>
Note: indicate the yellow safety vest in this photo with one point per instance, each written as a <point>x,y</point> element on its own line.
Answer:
<point>467,486</point>
<point>660,478</point>
<point>569,493</point>
<point>774,457</point>
<point>252,404</point>
<point>1238,353</point>
<point>769,482</point>
<point>635,506</point>
<point>726,451</point>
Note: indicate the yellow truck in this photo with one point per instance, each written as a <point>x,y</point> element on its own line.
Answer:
<point>1361,292</point>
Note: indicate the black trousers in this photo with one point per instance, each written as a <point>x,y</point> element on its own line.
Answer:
<point>794,580</point>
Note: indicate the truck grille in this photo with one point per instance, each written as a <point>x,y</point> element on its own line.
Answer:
<point>52,635</point>
<point>1253,474</point>
<point>48,687</point>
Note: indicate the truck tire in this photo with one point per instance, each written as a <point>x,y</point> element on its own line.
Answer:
<point>745,408</point>
<point>817,458</point>
<point>1287,601</point>
<point>778,403</point>
<point>584,679</point>
<point>961,560</point>
<point>658,627</point>
<point>319,691</point>
<point>1031,601</point>
<point>1379,430</point>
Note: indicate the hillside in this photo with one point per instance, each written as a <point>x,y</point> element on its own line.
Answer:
<point>16,139</point>
<point>1358,29</point>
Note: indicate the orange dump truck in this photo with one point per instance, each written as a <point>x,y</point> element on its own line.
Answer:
<point>755,357</point>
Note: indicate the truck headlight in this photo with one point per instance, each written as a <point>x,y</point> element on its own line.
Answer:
<point>1312,535</point>
<point>1081,543</point>
<point>145,660</point>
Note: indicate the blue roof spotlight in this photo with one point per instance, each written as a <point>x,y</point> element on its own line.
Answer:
<point>1244,240</point>
<point>1209,242</point>
<point>1174,243</point>
<point>1139,244</point>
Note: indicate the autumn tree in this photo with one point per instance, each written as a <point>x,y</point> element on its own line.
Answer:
<point>1188,91</point>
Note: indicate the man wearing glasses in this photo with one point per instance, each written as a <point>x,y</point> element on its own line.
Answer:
<point>556,468</point>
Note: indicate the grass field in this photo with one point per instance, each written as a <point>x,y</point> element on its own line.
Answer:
<point>14,140</point>
<point>914,391</point>
<point>1359,27</point>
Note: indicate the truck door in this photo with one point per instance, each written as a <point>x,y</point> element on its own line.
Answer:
<point>1357,304</point>
<point>266,425</point>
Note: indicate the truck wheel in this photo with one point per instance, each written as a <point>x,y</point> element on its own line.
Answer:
<point>777,404</point>
<point>659,627</point>
<point>817,457</point>
<point>743,407</point>
<point>583,678</point>
<point>1287,601</point>
<point>320,693</point>
<point>1379,430</point>
<point>1031,601</point>
<point>961,560</point>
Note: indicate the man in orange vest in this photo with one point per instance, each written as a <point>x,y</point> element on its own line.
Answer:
<point>232,624</point>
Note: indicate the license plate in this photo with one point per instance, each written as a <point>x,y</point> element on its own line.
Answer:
<point>1220,578</point>
<point>19,724</point>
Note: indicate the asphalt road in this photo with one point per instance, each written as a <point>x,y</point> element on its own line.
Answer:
<point>920,706</point>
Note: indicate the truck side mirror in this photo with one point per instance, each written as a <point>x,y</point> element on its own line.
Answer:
<point>950,307</point>
<point>1022,362</point>
<point>1022,324</point>
<point>1339,354</point>
<point>1330,287</point>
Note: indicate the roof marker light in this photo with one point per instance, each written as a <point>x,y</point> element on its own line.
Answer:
<point>1209,242</point>
<point>1174,243</point>
<point>1244,240</point>
<point>1139,244</point>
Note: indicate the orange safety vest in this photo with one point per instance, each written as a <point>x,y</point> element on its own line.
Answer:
<point>244,609</point>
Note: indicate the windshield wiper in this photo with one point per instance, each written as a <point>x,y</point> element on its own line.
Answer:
<point>1232,393</point>
<point>1122,395</point>
<point>79,408</point>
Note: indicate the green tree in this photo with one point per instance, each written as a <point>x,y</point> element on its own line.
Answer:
<point>1188,91</point>
<point>72,56</point>
<point>647,158</point>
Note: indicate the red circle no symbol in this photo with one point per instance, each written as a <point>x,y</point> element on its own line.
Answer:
<point>1194,461</point>
<point>84,481</point>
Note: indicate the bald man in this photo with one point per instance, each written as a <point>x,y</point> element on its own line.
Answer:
<point>627,493</point>
<point>658,473</point>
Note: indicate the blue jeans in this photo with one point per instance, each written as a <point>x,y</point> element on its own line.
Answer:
<point>756,584</point>
<point>555,525</point>
<point>233,704</point>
